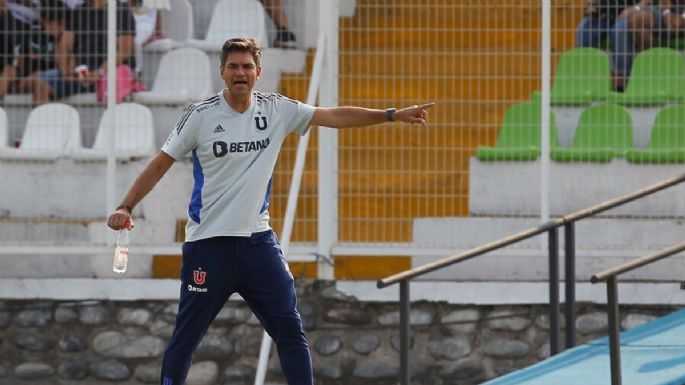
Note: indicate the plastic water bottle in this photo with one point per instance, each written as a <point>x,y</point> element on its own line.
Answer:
<point>121,251</point>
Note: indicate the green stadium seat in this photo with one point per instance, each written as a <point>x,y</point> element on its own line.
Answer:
<point>666,141</point>
<point>604,131</point>
<point>583,76</point>
<point>519,136</point>
<point>657,77</point>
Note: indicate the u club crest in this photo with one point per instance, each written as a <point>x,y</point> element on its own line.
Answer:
<point>199,277</point>
<point>260,122</point>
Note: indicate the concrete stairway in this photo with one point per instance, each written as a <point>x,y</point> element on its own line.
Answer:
<point>472,60</point>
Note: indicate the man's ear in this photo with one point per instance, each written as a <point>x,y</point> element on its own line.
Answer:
<point>259,71</point>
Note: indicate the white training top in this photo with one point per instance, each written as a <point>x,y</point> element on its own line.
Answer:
<point>233,157</point>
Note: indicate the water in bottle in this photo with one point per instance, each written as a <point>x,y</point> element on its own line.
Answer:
<point>121,251</point>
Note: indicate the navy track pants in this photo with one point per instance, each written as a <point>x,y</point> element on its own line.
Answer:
<point>255,268</point>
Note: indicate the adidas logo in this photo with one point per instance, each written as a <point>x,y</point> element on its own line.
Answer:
<point>219,129</point>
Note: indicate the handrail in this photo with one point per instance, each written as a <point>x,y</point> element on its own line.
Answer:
<point>514,238</point>
<point>609,276</point>
<point>568,221</point>
<point>637,262</point>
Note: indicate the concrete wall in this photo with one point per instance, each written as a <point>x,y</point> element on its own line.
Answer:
<point>352,342</point>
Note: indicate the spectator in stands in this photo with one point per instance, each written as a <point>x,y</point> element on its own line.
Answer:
<point>90,25</point>
<point>9,40</point>
<point>598,20</point>
<point>147,16</point>
<point>235,137</point>
<point>642,27</point>
<point>45,64</point>
<point>285,38</point>
<point>26,13</point>
<point>24,19</point>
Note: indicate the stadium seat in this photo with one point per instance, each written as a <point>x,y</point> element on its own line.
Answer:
<point>667,139</point>
<point>52,130</point>
<point>183,77</point>
<point>519,136</point>
<point>177,25</point>
<point>234,18</point>
<point>134,134</point>
<point>604,131</point>
<point>657,77</point>
<point>583,76</point>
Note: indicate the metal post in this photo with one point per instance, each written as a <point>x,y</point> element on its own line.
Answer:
<point>614,336</point>
<point>553,291</point>
<point>404,332</point>
<point>570,291</point>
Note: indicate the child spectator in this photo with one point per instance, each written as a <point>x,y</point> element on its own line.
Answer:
<point>90,25</point>
<point>45,64</point>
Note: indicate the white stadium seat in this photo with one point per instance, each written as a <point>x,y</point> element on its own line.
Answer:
<point>234,18</point>
<point>52,130</point>
<point>177,25</point>
<point>183,76</point>
<point>247,18</point>
<point>133,130</point>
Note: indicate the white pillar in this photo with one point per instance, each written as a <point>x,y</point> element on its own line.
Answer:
<point>545,110</point>
<point>111,101</point>
<point>328,141</point>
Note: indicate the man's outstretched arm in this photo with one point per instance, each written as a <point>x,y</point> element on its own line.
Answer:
<point>341,117</point>
<point>144,183</point>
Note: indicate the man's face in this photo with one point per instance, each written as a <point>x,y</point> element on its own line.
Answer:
<point>240,73</point>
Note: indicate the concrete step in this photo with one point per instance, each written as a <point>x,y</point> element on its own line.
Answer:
<point>600,243</point>
<point>45,231</point>
<point>455,24</point>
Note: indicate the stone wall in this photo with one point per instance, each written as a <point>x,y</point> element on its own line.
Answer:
<point>92,342</point>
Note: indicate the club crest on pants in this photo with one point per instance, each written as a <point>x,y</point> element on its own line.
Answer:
<point>199,277</point>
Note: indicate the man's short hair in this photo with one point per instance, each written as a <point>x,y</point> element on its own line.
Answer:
<point>241,44</point>
<point>52,10</point>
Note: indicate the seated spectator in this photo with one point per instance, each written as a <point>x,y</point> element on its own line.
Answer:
<point>9,40</point>
<point>147,16</point>
<point>598,20</point>
<point>45,64</point>
<point>89,23</point>
<point>642,27</point>
<point>26,13</point>
<point>285,38</point>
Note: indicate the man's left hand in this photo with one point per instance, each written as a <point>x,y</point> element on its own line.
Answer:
<point>416,114</point>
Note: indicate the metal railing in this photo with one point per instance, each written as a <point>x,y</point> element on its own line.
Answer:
<point>551,227</point>
<point>610,276</point>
